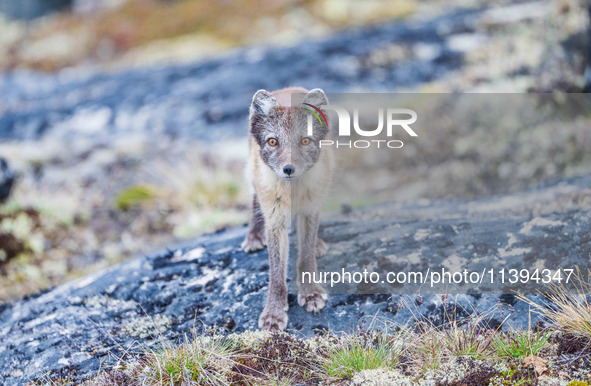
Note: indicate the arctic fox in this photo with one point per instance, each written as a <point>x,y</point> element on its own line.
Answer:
<point>289,172</point>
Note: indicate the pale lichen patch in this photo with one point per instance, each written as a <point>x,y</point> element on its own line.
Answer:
<point>379,251</point>
<point>380,377</point>
<point>414,258</point>
<point>193,254</point>
<point>508,252</point>
<point>249,339</point>
<point>146,326</point>
<point>421,234</point>
<point>454,263</point>
<point>538,222</point>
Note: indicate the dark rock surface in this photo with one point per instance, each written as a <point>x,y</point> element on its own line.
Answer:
<point>32,9</point>
<point>88,324</point>
<point>7,178</point>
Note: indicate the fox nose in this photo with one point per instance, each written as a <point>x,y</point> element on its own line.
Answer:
<point>288,169</point>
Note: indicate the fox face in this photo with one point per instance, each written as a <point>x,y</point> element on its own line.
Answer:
<point>282,133</point>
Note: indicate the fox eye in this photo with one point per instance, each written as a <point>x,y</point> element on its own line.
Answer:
<point>272,142</point>
<point>305,141</point>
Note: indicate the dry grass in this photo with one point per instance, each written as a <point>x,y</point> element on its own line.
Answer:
<point>197,27</point>
<point>457,352</point>
<point>568,308</point>
<point>428,350</point>
<point>200,192</point>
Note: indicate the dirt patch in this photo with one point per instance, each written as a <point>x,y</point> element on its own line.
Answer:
<point>569,345</point>
<point>281,356</point>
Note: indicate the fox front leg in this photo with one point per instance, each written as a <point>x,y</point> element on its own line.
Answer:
<point>311,296</point>
<point>255,238</point>
<point>321,247</point>
<point>274,316</point>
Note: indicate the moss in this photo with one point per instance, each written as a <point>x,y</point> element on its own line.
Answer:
<point>135,195</point>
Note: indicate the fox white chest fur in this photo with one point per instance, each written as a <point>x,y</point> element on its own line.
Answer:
<point>290,174</point>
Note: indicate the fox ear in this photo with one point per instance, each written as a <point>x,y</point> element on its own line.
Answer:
<point>316,97</point>
<point>262,103</point>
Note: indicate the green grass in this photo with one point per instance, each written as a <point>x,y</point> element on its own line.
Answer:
<point>203,361</point>
<point>520,344</point>
<point>354,353</point>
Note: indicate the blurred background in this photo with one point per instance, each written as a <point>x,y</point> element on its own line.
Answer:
<point>123,122</point>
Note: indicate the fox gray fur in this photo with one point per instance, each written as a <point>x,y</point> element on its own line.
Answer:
<point>289,172</point>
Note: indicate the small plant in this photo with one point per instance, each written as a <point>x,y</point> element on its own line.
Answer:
<point>204,360</point>
<point>369,351</point>
<point>428,348</point>
<point>520,344</point>
<point>467,340</point>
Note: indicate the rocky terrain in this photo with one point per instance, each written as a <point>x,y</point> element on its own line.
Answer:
<point>80,138</point>
<point>153,153</point>
<point>206,100</point>
<point>91,323</point>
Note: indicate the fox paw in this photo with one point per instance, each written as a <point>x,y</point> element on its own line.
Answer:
<point>321,248</point>
<point>273,319</point>
<point>252,243</point>
<point>312,299</point>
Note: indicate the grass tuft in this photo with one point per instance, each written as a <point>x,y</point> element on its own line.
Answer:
<point>467,340</point>
<point>429,348</point>
<point>520,343</point>
<point>204,360</point>
<point>569,308</point>
<point>370,351</point>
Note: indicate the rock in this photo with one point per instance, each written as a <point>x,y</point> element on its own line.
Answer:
<point>83,326</point>
<point>7,179</point>
<point>32,8</point>
<point>587,86</point>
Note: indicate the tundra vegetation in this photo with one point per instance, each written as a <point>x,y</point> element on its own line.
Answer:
<point>465,351</point>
